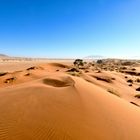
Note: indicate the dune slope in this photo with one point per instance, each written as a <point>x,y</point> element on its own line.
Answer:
<point>62,107</point>
<point>60,102</point>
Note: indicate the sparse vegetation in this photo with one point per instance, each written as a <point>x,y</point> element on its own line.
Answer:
<point>32,68</point>
<point>99,61</point>
<point>78,63</point>
<point>73,70</point>
<point>127,63</point>
<point>138,89</point>
<point>133,69</point>
<point>130,81</point>
<point>137,96</point>
<point>138,80</point>
<point>133,73</point>
<point>130,85</point>
<point>74,73</point>
<point>113,78</point>
<point>10,80</point>
<point>123,68</point>
<point>86,71</point>
<point>27,74</point>
<point>98,71</point>
<point>3,73</point>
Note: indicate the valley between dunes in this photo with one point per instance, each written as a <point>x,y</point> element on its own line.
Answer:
<point>54,102</point>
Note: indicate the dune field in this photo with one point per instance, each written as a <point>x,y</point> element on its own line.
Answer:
<point>63,101</point>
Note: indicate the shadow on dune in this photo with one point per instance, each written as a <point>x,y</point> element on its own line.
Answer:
<point>64,82</point>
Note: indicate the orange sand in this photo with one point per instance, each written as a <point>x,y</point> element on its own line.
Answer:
<point>47,103</point>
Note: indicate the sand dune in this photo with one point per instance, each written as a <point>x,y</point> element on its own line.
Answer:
<point>42,103</point>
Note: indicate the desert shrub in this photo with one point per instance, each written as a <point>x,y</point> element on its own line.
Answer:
<point>27,74</point>
<point>137,96</point>
<point>93,64</point>
<point>32,68</point>
<point>130,81</point>
<point>99,71</point>
<point>131,73</point>
<point>113,78</point>
<point>130,85</point>
<point>10,80</point>
<point>133,69</point>
<point>138,80</point>
<point>138,89</point>
<point>127,63</point>
<point>99,61</point>
<point>123,68</point>
<point>75,73</point>
<point>73,70</point>
<point>78,63</point>
<point>86,71</point>
<point>3,73</point>
<point>105,69</point>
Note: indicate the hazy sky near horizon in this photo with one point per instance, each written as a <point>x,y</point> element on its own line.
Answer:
<point>70,28</point>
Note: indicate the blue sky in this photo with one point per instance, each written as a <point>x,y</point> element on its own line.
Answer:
<point>70,28</point>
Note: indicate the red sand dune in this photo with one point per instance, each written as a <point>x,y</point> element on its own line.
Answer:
<point>47,104</point>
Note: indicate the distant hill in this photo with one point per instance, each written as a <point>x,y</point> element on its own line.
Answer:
<point>94,57</point>
<point>135,57</point>
<point>3,56</point>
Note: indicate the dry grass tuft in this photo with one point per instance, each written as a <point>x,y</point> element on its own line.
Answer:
<point>75,73</point>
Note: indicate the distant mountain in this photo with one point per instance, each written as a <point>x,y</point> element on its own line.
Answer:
<point>135,57</point>
<point>3,56</point>
<point>94,57</point>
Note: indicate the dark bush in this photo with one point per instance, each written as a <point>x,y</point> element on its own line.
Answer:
<point>130,81</point>
<point>99,61</point>
<point>138,89</point>
<point>78,62</point>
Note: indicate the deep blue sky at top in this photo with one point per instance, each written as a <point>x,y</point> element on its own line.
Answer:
<point>70,28</point>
